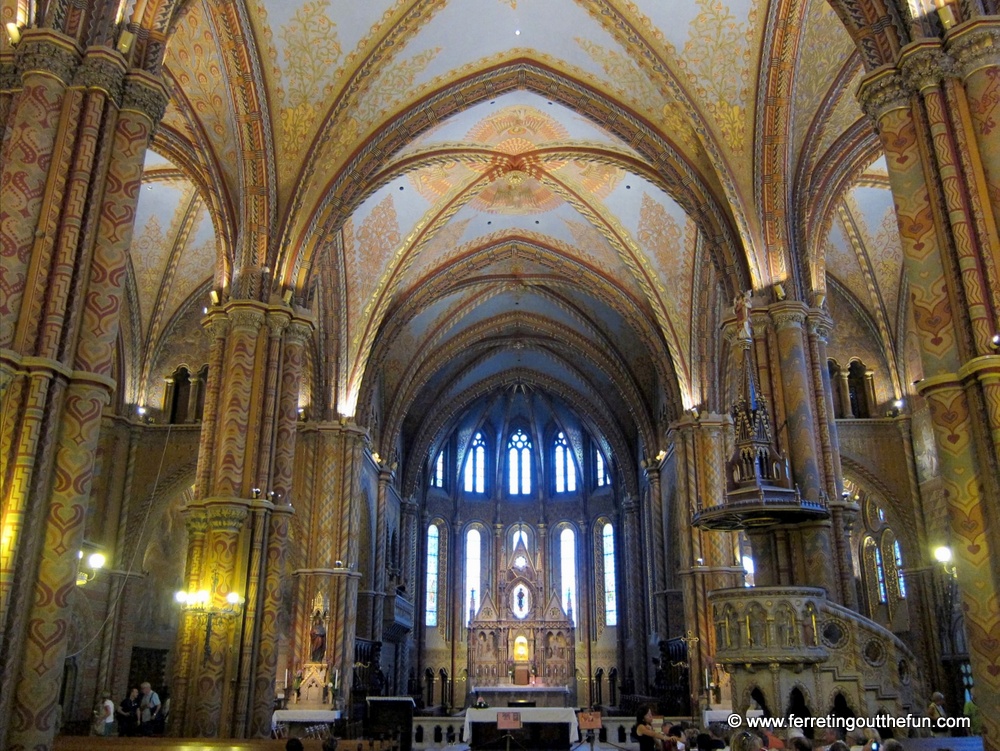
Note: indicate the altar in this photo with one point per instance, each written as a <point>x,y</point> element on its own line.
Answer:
<point>522,696</point>
<point>542,728</point>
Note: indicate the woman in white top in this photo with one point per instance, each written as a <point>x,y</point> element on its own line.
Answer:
<point>106,719</point>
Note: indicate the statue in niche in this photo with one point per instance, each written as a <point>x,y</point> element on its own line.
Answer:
<point>317,638</point>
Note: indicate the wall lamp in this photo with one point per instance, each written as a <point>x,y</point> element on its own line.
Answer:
<point>942,554</point>
<point>201,604</point>
<point>95,562</point>
<point>13,33</point>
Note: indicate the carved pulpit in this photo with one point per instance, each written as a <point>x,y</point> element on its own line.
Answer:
<point>522,638</point>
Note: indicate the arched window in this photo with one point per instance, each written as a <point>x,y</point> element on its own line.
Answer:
<point>610,587</point>
<point>833,369</point>
<point>475,466</point>
<point>565,467</point>
<point>880,575</point>
<point>600,469</point>
<point>859,389</point>
<point>431,605</point>
<point>473,573</point>
<point>567,568</point>
<point>437,477</point>
<point>519,463</point>
<point>898,560</point>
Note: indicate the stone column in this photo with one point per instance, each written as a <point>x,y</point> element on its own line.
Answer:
<point>169,386</point>
<point>193,391</point>
<point>657,548</point>
<point>381,543</point>
<point>333,545</point>
<point>635,641</point>
<point>707,557</point>
<point>793,369</point>
<point>844,386</point>
<point>941,277</point>
<point>843,510</point>
<point>71,166</point>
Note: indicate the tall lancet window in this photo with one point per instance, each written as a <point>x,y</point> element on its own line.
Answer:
<point>437,478</point>
<point>601,470</point>
<point>519,463</point>
<point>473,574</point>
<point>897,555</point>
<point>565,468</point>
<point>431,604</point>
<point>475,466</point>
<point>610,587</point>
<point>567,569</point>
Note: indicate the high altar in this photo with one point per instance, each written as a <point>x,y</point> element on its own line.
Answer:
<point>522,648</point>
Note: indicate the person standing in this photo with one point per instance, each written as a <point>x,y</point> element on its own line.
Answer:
<point>971,711</point>
<point>128,714</point>
<point>149,710</point>
<point>104,715</point>
<point>937,713</point>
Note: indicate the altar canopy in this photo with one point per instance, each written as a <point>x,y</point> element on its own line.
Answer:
<point>523,638</point>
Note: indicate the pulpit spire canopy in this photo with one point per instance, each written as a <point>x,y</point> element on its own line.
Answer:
<point>759,487</point>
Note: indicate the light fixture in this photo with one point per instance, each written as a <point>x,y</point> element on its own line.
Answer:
<point>199,603</point>
<point>942,554</point>
<point>376,458</point>
<point>287,296</point>
<point>995,341</point>
<point>214,296</point>
<point>95,562</point>
<point>13,33</point>
<point>125,40</point>
<point>945,15</point>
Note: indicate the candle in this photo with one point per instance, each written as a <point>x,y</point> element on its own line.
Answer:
<point>286,677</point>
<point>706,676</point>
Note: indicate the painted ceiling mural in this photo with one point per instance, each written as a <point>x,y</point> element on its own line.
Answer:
<point>563,192</point>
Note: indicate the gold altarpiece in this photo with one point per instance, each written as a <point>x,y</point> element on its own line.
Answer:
<point>522,643</point>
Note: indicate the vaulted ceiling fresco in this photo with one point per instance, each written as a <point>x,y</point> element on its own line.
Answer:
<point>465,193</point>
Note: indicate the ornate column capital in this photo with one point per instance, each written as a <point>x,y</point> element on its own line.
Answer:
<point>49,53</point>
<point>975,46</point>
<point>277,323</point>
<point>196,522</point>
<point>299,331</point>
<point>227,517</point>
<point>925,65</point>
<point>216,324</point>
<point>246,319</point>
<point>882,92</point>
<point>103,70</point>
<point>786,319</point>
<point>821,325</point>
<point>145,94</point>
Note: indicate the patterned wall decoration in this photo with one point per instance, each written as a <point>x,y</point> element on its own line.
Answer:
<point>662,238</point>
<point>824,46</point>
<point>720,65</point>
<point>193,60</point>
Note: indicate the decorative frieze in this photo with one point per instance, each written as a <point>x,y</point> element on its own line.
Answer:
<point>145,94</point>
<point>48,56</point>
<point>103,72</point>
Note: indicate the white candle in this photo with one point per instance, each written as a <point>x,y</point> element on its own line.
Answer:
<point>286,677</point>
<point>706,676</point>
